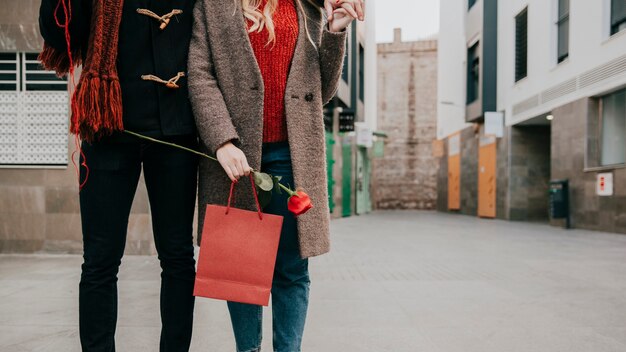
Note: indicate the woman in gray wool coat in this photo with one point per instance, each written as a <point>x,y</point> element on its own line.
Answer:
<point>260,72</point>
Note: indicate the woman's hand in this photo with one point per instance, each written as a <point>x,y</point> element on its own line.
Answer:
<point>356,8</point>
<point>340,20</point>
<point>233,161</point>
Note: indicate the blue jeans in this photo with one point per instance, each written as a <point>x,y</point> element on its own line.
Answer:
<point>290,288</point>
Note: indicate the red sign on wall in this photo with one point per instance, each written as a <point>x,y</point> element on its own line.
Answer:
<point>604,184</point>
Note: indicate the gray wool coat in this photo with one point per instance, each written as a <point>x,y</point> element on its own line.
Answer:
<point>226,92</point>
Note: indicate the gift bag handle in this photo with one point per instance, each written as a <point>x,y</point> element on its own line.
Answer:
<point>256,197</point>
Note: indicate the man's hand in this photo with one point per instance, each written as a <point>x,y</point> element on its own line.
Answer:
<point>355,8</point>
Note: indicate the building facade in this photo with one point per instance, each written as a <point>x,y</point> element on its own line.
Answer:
<point>351,123</point>
<point>39,210</point>
<point>560,72</point>
<point>406,176</point>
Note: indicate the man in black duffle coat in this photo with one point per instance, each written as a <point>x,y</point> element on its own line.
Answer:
<point>115,162</point>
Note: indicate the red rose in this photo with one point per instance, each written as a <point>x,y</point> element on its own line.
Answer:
<point>299,203</point>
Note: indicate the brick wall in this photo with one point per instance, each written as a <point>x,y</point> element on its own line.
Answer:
<point>406,178</point>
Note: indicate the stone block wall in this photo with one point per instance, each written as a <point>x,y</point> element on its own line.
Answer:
<point>442,179</point>
<point>529,173</point>
<point>39,212</point>
<point>502,176</point>
<point>469,174</point>
<point>588,210</point>
<point>528,157</point>
<point>469,171</point>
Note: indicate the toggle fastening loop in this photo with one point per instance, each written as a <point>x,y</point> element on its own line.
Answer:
<point>171,83</point>
<point>164,20</point>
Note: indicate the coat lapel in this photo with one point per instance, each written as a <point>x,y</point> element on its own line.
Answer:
<point>302,45</point>
<point>237,32</point>
<point>237,27</point>
<point>301,36</point>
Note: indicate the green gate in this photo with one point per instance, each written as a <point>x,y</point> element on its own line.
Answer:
<point>346,180</point>
<point>364,172</point>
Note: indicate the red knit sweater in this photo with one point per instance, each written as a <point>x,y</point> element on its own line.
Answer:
<point>274,60</point>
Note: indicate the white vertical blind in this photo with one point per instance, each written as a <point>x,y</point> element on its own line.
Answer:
<point>614,128</point>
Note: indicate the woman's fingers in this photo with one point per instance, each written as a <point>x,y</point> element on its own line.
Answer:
<point>235,171</point>
<point>350,6</point>
<point>240,168</point>
<point>246,168</point>
<point>360,9</point>
<point>229,173</point>
<point>356,8</point>
<point>239,165</point>
<point>342,12</point>
<point>341,20</point>
<point>329,9</point>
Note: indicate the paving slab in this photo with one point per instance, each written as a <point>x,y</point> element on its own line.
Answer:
<point>395,281</point>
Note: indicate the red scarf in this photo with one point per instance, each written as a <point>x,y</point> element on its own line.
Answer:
<point>97,101</point>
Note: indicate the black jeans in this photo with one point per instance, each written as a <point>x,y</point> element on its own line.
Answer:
<point>105,201</point>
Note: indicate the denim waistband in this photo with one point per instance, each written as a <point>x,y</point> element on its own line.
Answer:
<point>276,151</point>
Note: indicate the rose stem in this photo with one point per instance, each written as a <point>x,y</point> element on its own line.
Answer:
<point>289,191</point>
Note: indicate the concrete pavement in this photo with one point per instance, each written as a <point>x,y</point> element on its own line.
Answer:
<point>395,281</point>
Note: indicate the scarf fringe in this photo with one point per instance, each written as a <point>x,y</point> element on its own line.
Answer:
<point>57,60</point>
<point>97,107</point>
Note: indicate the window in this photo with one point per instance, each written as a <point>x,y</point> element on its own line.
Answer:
<point>563,31</point>
<point>618,16</point>
<point>9,63</point>
<point>613,129</point>
<point>521,45</point>
<point>23,72</point>
<point>33,114</point>
<point>35,78</point>
<point>471,3</point>
<point>361,73</point>
<point>473,73</point>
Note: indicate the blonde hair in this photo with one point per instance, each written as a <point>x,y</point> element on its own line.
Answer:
<point>261,19</point>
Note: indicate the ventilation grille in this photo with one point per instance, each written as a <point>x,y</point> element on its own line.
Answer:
<point>559,90</point>
<point>609,70</point>
<point>603,72</point>
<point>33,112</point>
<point>525,105</point>
<point>33,128</point>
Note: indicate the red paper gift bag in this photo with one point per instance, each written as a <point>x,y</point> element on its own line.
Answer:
<point>237,253</point>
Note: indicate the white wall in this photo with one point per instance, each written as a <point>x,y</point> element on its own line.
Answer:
<point>590,47</point>
<point>371,65</point>
<point>452,53</point>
